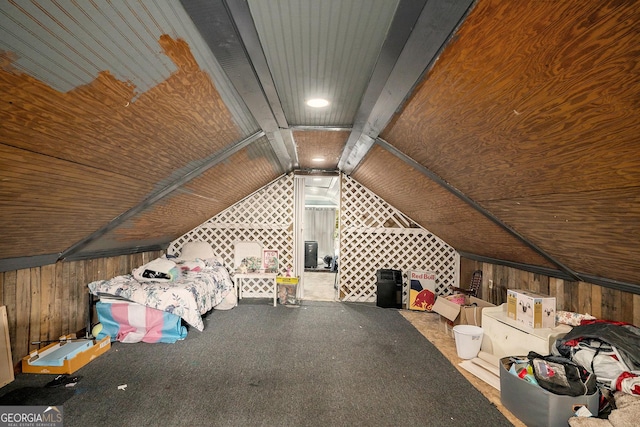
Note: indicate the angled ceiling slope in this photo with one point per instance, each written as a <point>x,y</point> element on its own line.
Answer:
<point>228,83</point>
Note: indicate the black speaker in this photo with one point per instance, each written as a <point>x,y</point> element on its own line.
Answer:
<point>310,254</point>
<point>389,288</point>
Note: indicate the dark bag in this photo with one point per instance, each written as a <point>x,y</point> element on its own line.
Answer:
<point>560,375</point>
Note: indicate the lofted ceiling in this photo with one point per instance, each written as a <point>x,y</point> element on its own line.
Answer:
<point>509,129</point>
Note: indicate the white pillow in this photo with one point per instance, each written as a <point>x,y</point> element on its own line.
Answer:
<point>194,250</point>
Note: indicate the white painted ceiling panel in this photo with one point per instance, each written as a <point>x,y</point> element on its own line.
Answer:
<point>322,49</point>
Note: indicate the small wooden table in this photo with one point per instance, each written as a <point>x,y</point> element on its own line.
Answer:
<point>271,276</point>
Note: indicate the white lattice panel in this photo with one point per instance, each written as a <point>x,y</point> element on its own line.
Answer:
<point>265,216</point>
<point>374,235</point>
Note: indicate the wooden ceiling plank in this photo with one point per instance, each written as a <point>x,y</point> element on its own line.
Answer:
<point>160,194</point>
<point>459,194</point>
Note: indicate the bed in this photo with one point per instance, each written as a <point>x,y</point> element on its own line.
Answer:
<point>149,304</point>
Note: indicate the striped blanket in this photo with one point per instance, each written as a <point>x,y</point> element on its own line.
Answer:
<point>130,322</point>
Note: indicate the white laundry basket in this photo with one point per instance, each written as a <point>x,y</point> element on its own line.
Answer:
<point>468,340</point>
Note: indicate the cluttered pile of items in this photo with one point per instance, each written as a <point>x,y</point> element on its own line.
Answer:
<point>553,367</point>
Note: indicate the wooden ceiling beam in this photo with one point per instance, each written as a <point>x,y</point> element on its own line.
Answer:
<point>417,35</point>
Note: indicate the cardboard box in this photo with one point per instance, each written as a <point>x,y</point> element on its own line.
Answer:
<point>512,304</point>
<point>453,313</point>
<point>533,310</point>
<point>66,365</point>
<point>536,406</point>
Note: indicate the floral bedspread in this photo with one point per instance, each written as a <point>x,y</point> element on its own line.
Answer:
<point>190,296</point>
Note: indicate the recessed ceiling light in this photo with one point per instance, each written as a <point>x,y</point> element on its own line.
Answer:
<point>318,159</point>
<point>317,102</point>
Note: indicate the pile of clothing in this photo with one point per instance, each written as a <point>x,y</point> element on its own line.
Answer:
<point>610,350</point>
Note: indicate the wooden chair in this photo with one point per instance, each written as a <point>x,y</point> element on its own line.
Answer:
<point>474,286</point>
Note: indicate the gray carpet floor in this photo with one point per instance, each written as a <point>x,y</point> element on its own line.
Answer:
<point>320,364</point>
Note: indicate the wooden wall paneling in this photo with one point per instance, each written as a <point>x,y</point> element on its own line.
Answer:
<point>124,264</point>
<point>83,305</point>
<point>611,304</point>
<point>72,285</point>
<point>584,297</point>
<point>79,301</point>
<point>556,289</point>
<point>568,285</point>
<point>512,278</point>
<point>66,291</point>
<point>524,279</point>
<point>23,299</point>
<point>44,303</point>
<point>596,301</point>
<point>34,306</point>
<point>47,301</point>
<point>57,321</point>
<point>530,282</point>
<point>9,300</point>
<point>544,283</point>
<point>488,286</point>
<point>6,358</point>
<point>567,296</point>
<point>626,308</point>
<point>581,297</point>
<point>572,289</point>
<point>111,267</point>
<point>136,260</point>
<point>89,273</point>
<point>501,279</point>
<point>467,267</point>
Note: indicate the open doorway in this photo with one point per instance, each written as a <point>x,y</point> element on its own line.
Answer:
<point>321,242</point>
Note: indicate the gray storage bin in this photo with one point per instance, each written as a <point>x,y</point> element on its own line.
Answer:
<point>536,406</point>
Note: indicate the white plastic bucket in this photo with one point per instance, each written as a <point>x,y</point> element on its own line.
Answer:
<point>468,340</point>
